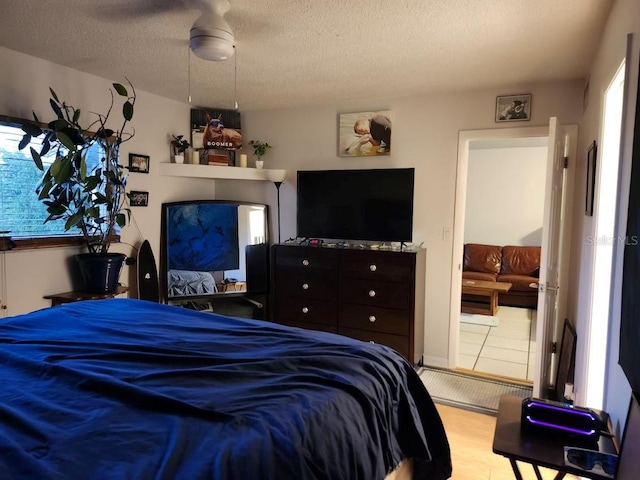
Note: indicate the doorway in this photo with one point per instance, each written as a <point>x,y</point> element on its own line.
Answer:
<point>504,207</point>
<point>466,139</point>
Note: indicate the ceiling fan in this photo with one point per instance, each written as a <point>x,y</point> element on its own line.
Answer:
<point>211,37</point>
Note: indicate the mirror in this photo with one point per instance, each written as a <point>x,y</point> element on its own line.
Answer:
<point>213,247</point>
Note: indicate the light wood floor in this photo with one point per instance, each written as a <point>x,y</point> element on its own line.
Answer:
<point>470,438</point>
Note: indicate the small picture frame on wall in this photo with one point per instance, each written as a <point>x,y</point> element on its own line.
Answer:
<point>138,199</point>
<point>138,163</point>
<point>591,179</point>
<point>513,108</point>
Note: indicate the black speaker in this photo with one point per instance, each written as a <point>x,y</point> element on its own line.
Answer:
<point>257,258</point>
<point>562,419</point>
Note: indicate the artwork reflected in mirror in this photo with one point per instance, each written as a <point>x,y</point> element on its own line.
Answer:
<point>212,248</point>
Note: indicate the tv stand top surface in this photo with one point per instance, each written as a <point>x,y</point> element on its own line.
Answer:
<point>353,244</point>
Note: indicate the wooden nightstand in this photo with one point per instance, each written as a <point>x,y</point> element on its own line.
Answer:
<point>69,297</point>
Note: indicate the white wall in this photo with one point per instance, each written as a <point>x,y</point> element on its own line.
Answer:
<point>505,196</point>
<point>624,18</point>
<point>24,86</point>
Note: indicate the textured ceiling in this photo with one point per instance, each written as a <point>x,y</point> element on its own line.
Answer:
<point>304,52</point>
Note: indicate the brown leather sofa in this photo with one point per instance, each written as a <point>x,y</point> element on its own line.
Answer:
<point>519,266</point>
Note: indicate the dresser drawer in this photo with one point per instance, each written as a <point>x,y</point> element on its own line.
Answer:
<point>306,258</point>
<point>375,319</point>
<point>318,284</point>
<point>311,326</point>
<point>381,294</point>
<point>367,265</point>
<point>399,343</point>
<point>305,310</point>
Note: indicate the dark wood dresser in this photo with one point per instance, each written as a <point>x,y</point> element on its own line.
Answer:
<point>371,295</point>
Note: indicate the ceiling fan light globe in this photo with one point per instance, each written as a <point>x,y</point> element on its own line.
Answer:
<point>212,44</point>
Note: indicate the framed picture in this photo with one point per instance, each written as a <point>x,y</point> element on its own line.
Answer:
<point>591,179</point>
<point>138,163</point>
<point>513,108</point>
<point>138,199</point>
<point>364,134</point>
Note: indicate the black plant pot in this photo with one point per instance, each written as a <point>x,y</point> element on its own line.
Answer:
<point>100,271</point>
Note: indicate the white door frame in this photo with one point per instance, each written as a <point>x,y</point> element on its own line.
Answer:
<point>464,138</point>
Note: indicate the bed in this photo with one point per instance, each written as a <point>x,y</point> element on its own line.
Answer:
<point>123,388</point>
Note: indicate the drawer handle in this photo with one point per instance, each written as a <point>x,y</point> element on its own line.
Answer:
<point>305,310</point>
<point>305,286</point>
<point>372,318</point>
<point>305,262</point>
<point>373,267</point>
<point>372,293</point>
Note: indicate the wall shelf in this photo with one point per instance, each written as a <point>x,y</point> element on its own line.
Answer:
<point>216,172</point>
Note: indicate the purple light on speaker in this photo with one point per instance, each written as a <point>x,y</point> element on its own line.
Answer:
<point>560,427</point>
<point>574,411</point>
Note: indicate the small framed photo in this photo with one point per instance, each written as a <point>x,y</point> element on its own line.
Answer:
<point>138,199</point>
<point>591,179</point>
<point>138,163</point>
<point>513,108</point>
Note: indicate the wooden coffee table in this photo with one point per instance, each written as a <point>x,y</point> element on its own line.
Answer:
<point>483,289</point>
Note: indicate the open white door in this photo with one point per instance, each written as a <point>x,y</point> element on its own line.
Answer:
<point>550,256</point>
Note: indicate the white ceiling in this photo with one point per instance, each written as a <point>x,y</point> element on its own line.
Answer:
<point>313,52</point>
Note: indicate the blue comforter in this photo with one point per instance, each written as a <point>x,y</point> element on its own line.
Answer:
<point>127,389</point>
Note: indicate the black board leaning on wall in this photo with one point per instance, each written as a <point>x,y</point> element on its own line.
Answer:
<point>630,313</point>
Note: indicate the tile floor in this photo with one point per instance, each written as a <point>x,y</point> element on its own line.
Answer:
<point>507,350</point>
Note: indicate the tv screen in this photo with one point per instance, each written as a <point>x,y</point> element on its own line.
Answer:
<point>374,205</point>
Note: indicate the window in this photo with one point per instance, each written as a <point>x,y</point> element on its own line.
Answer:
<point>21,213</point>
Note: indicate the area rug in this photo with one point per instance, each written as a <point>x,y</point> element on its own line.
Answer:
<point>467,391</point>
<point>477,319</point>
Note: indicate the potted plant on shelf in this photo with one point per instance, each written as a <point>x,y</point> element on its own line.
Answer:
<point>179,145</point>
<point>91,200</point>
<point>259,150</point>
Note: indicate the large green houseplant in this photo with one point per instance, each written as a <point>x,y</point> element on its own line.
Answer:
<point>91,200</point>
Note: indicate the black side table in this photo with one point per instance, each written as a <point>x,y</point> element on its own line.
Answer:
<point>539,450</point>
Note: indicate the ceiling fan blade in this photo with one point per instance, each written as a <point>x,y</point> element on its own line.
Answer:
<point>125,10</point>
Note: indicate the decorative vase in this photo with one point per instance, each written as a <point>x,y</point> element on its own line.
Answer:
<point>259,164</point>
<point>178,158</point>
<point>100,272</point>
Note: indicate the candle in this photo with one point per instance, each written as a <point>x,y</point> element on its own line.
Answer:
<point>195,157</point>
<point>243,160</point>
<point>566,145</point>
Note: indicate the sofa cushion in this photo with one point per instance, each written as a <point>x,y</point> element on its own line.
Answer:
<point>520,283</point>
<point>520,261</point>
<point>482,258</point>
<point>487,277</point>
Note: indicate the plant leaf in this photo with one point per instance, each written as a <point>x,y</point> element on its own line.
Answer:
<point>73,220</point>
<point>31,129</point>
<point>26,140</point>
<point>55,108</point>
<point>122,91</point>
<point>121,220</point>
<point>65,140</point>
<point>36,158</point>
<point>53,94</point>
<point>127,110</point>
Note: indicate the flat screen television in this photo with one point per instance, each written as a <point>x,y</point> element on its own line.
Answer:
<point>213,247</point>
<point>368,205</point>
